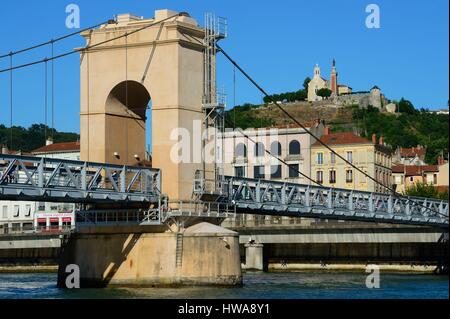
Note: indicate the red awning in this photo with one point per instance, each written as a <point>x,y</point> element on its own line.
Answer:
<point>42,220</point>
<point>67,219</point>
<point>54,220</point>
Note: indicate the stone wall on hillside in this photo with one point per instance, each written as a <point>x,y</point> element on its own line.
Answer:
<point>374,98</point>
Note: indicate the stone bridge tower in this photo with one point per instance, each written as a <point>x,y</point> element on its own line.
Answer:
<point>161,66</point>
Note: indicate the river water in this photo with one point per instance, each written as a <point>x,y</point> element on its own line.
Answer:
<point>276,285</point>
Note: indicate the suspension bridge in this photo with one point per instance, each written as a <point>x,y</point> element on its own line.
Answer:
<point>170,61</point>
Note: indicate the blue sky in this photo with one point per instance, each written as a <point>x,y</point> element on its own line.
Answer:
<point>277,42</point>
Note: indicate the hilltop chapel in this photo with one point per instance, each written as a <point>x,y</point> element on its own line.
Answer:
<point>318,82</point>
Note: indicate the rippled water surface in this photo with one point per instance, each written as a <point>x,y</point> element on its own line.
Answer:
<point>277,285</point>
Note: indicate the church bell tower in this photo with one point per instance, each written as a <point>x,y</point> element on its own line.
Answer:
<point>333,80</point>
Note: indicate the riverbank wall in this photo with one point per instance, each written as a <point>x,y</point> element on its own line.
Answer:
<point>282,248</point>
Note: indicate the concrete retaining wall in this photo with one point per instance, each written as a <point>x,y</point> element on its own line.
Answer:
<point>29,256</point>
<point>357,252</point>
<point>29,249</point>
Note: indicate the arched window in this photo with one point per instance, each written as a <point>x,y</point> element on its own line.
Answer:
<point>259,149</point>
<point>241,150</point>
<point>294,148</point>
<point>275,148</point>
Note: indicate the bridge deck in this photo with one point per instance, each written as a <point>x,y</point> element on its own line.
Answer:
<point>265,197</point>
<point>56,180</point>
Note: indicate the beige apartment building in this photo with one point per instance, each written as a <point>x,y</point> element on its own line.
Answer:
<point>372,157</point>
<point>406,176</point>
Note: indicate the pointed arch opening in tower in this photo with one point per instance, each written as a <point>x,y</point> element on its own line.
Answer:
<point>127,108</point>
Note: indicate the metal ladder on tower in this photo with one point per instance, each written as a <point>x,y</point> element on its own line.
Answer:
<point>179,251</point>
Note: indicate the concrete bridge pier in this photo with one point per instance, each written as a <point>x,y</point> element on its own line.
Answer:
<point>202,254</point>
<point>254,256</point>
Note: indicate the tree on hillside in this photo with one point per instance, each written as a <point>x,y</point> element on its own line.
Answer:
<point>306,83</point>
<point>405,106</point>
<point>324,93</point>
<point>407,129</point>
<point>299,95</point>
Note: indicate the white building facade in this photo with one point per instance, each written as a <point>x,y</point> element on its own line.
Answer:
<point>244,158</point>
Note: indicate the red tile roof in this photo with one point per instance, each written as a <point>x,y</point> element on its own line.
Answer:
<point>413,170</point>
<point>14,152</point>
<point>342,138</point>
<point>11,152</point>
<point>413,151</point>
<point>58,148</point>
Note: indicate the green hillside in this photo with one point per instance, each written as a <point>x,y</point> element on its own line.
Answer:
<point>407,128</point>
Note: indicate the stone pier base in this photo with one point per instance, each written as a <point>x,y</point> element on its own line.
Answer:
<point>203,254</point>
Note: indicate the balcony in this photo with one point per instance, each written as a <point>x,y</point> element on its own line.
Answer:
<point>239,160</point>
<point>293,158</point>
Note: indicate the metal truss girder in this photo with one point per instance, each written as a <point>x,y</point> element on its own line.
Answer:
<point>280,198</point>
<point>46,179</point>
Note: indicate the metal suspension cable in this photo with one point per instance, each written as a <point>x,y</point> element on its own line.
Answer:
<point>88,103</point>
<point>234,96</point>
<point>126,97</point>
<point>11,103</point>
<point>89,47</point>
<point>233,124</point>
<point>298,122</point>
<point>52,41</point>
<point>45,101</point>
<point>313,135</point>
<point>53,92</point>
<point>234,106</point>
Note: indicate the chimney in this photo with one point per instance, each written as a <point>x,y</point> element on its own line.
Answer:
<point>49,141</point>
<point>4,149</point>
<point>374,138</point>
<point>381,140</point>
<point>440,160</point>
<point>326,130</point>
